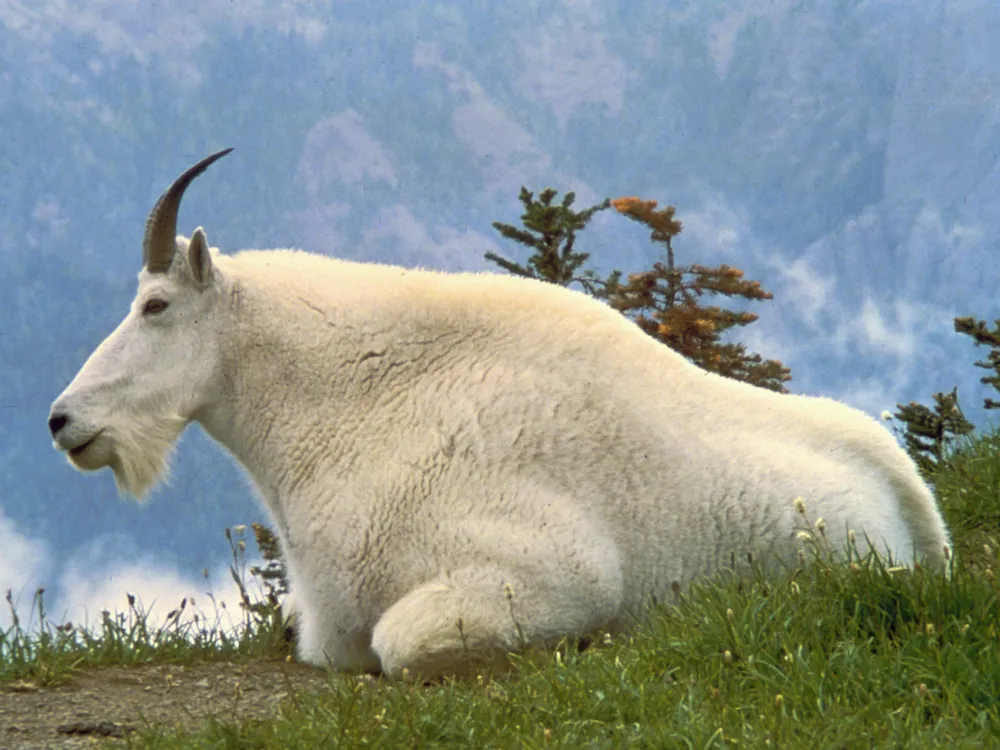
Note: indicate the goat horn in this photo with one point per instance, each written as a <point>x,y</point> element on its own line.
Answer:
<point>158,243</point>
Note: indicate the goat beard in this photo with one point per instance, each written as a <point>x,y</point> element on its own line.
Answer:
<point>143,450</point>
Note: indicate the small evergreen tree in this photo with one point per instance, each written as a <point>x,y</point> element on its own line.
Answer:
<point>929,432</point>
<point>666,302</point>
<point>982,335</point>
<point>550,231</point>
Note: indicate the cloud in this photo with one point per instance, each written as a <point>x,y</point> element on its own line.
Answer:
<point>961,232</point>
<point>505,153</point>
<point>804,288</point>
<point>567,63</point>
<point>322,226</point>
<point>874,331</point>
<point>722,33</point>
<point>24,565</point>
<point>397,236</point>
<point>893,329</point>
<point>768,344</point>
<point>872,395</point>
<point>118,28</point>
<point>339,149</point>
<point>49,223</point>
<point>718,230</point>
<point>87,590</point>
<point>94,581</point>
<point>168,37</point>
<point>938,248</point>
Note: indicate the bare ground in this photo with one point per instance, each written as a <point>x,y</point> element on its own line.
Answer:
<point>105,704</point>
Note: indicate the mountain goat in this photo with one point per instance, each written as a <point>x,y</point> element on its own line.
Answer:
<point>461,464</point>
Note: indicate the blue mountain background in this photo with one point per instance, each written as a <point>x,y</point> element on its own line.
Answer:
<point>844,153</point>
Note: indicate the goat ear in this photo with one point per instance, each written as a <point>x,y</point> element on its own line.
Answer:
<point>199,257</point>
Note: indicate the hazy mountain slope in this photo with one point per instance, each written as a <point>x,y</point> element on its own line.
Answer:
<point>844,153</point>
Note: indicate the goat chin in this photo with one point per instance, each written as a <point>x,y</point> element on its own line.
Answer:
<point>142,453</point>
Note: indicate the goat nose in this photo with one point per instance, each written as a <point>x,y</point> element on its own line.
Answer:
<point>57,422</point>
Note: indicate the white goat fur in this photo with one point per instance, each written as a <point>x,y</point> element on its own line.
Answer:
<point>459,464</point>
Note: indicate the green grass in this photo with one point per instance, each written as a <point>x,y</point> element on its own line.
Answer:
<point>827,656</point>
<point>968,489</point>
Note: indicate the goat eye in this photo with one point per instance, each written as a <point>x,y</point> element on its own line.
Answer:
<point>154,306</point>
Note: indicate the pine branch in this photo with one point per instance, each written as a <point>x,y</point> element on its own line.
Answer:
<point>984,336</point>
<point>510,266</point>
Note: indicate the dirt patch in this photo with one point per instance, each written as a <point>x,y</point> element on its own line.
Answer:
<point>105,704</point>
